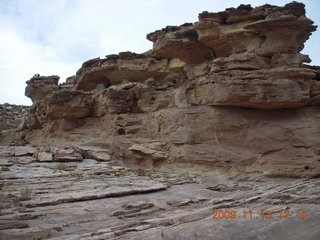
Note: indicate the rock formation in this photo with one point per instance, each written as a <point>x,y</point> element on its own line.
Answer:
<point>13,120</point>
<point>230,92</point>
<point>12,115</point>
<point>40,86</point>
<point>209,119</point>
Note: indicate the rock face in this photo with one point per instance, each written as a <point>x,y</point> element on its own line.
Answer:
<point>255,60</point>
<point>40,86</point>
<point>267,31</point>
<point>13,120</point>
<point>12,115</point>
<point>149,146</point>
<point>228,94</point>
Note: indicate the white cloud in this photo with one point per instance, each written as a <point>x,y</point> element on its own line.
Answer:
<point>20,60</point>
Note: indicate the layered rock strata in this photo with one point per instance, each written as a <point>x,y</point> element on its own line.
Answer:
<point>12,115</point>
<point>39,87</point>
<point>91,200</point>
<point>230,93</point>
<point>13,120</point>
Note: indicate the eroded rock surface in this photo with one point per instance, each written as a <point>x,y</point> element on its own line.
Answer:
<point>94,199</point>
<point>13,120</point>
<point>250,105</point>
<point>222,114</point>
<point>12,116</point>
<point>40,86</point>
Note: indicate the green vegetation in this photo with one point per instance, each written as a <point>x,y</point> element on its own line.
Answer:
<point>5,169</point>
<point>25,193</point>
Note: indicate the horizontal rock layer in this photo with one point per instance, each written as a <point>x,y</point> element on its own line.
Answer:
<point>230,92</point>
<point>40,86</point>
<point>147,146</point>
<point>102,200</point>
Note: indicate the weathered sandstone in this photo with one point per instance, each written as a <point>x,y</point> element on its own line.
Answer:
<point>102,200</point>
<point>222,114</point>
<point>231,92</point>
<point>14,119</point>
<point>12,116</point>
<point>40,86</point>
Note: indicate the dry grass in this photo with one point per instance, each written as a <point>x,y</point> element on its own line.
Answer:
<point>5,169</point>
<point>25,193</point>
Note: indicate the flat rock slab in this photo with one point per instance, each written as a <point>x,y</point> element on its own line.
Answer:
<point>28,233</point>
<point>96,189</point>
<point>95,199</point>
<point>24,150</point>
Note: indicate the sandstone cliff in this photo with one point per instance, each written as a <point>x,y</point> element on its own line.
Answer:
<point>181,142</point>
<point>230,93</point>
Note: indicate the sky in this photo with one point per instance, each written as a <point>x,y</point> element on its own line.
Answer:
<point>54,37</point>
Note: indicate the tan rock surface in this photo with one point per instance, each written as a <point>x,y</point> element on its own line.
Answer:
<point>222,114</point>
<point>228,94</point>
<point>115,68</point>
<point>40,86</point>
<point>65,104</point>
<point>101,200</point>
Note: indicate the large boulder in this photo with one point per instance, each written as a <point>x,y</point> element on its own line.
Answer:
<point>65,104</point>
<point>39,87</point>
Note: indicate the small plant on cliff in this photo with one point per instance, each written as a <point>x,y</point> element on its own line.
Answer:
<point>5,169</point>
<point>25,193</point>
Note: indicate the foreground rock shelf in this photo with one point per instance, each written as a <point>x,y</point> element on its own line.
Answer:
<point>101,200</point>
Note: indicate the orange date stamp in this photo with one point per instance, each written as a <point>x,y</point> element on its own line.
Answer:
<point>249,215</point>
